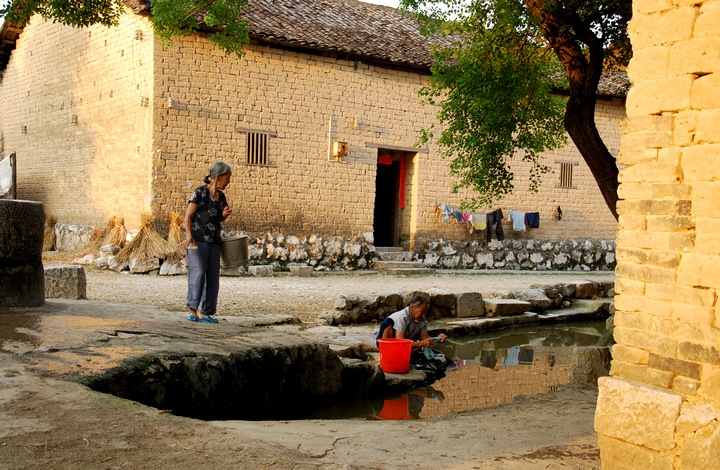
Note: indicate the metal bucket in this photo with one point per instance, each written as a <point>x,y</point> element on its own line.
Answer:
<point>234,251</point>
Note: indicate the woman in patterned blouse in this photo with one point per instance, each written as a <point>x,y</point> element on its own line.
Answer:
<point>207,207</point>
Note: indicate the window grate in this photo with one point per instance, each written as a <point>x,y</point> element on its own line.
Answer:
<point>566,175</point>
<point>257,149</point>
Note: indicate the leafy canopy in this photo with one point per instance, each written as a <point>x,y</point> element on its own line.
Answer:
<point>494,84</point>
<point>170,18</point>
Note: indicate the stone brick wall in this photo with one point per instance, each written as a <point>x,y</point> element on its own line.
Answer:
<point>72,112</point>
<point>118,125</point>
<point>294,96</point>
<point>661,407</point>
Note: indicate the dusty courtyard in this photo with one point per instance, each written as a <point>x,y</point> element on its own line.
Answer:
<point>50,422</point>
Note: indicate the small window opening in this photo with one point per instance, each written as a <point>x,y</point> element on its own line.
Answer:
<point>566,175</point>
<point>257,149</point>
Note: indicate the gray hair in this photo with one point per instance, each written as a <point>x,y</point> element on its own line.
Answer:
<point>217,169</point>
<point>419,300</point>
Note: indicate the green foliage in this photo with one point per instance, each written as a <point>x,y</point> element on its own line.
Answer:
<point>171,18</point>
<point>69,12</point>
<point>494,86</point>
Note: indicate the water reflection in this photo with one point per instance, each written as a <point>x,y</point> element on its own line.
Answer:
<point>495,368</point>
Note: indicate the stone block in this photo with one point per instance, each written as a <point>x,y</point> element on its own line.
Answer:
<point>302,271</point>
<point>470,304</point>
<point>616,454</point>
<point>143,265</point>
<point>537,298</point>
<point>261,271</point>
<point>589,364</point>
<point>65,281</point>
<point>505,307</point>
<point>22,282</point>
<point>637,413</point>
<point>702,449</point>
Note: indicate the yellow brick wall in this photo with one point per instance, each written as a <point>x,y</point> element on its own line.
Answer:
<point>661,408</point>
<point>88,171</point>
<point>294,95</point>
<point>124,158</point>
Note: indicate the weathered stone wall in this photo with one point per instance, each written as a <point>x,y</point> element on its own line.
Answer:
<point>74,114</point>
<point>303,100</point>
<point>125,126</point>
<point>535,255</point>
<point>661,407</point>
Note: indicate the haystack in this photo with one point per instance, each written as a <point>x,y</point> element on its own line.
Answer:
<point>49,237</point>
<point>148,244</point>
<point>114,233</point>
<point>175,233</point>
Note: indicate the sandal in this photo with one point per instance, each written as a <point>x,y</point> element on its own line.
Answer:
<point>193,318</point>
<point>207,319</point>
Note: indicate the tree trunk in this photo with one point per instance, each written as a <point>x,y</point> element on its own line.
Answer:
<point>565,32</point>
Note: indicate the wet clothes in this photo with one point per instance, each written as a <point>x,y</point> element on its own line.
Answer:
<point>403,321</point>
<point>206,220</point>
<point>494,218</point>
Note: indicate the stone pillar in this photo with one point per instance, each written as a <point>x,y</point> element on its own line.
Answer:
<point>22,278</point>
<point>660,408</point>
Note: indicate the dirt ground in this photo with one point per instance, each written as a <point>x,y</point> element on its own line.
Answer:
<point>53,423</point>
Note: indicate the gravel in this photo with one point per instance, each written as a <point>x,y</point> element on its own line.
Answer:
<point>306,297</point>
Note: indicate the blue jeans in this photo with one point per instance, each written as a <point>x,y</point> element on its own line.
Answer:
<point>203,277</point>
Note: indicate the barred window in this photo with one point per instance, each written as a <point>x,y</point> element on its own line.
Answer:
<point>566,175</point>
<point>257,151</point>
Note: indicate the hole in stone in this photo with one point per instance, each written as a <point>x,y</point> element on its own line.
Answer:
<point>310,381</point>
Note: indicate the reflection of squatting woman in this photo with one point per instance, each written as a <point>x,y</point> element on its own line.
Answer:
<point>207,207</point>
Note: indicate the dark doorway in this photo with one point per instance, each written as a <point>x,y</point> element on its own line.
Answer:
<point>385,221</point>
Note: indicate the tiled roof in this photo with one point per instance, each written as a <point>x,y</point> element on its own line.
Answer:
<point>341,26</point>
<point>348,28</point>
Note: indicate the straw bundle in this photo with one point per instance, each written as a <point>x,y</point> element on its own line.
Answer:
<point>113,233</point>
<point>148,244</point>
<point>49,237</point>
<point>175,233</point>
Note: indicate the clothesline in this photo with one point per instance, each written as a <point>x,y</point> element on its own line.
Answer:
<point>520,220</point>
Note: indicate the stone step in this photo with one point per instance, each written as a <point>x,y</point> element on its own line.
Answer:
<point>395,256</point>
<point>388,249</point>
<point>385,265</point>
<point>505,307</point>
<point>581,309</point>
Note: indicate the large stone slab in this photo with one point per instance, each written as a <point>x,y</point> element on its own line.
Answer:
<point>65,281</point>
<point>505,307</point>
<point>470,304</point>
<point>302,271</point>
<point>22,278</point>
<point>261,271</point>
<point>636,413</point>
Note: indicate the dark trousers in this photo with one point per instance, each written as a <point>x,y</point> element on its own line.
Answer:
<point>494,218</point>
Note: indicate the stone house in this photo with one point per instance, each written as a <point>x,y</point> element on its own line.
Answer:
<point>108,121</point>
<point>660,408</point>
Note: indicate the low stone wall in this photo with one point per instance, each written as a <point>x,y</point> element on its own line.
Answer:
<point>283,252</point>
<point>357,308</point>
<point>534,255</point>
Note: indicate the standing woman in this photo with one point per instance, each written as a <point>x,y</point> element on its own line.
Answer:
<point>207,207</point>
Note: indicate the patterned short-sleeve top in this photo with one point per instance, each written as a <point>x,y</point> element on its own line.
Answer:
<point>206,220</point>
